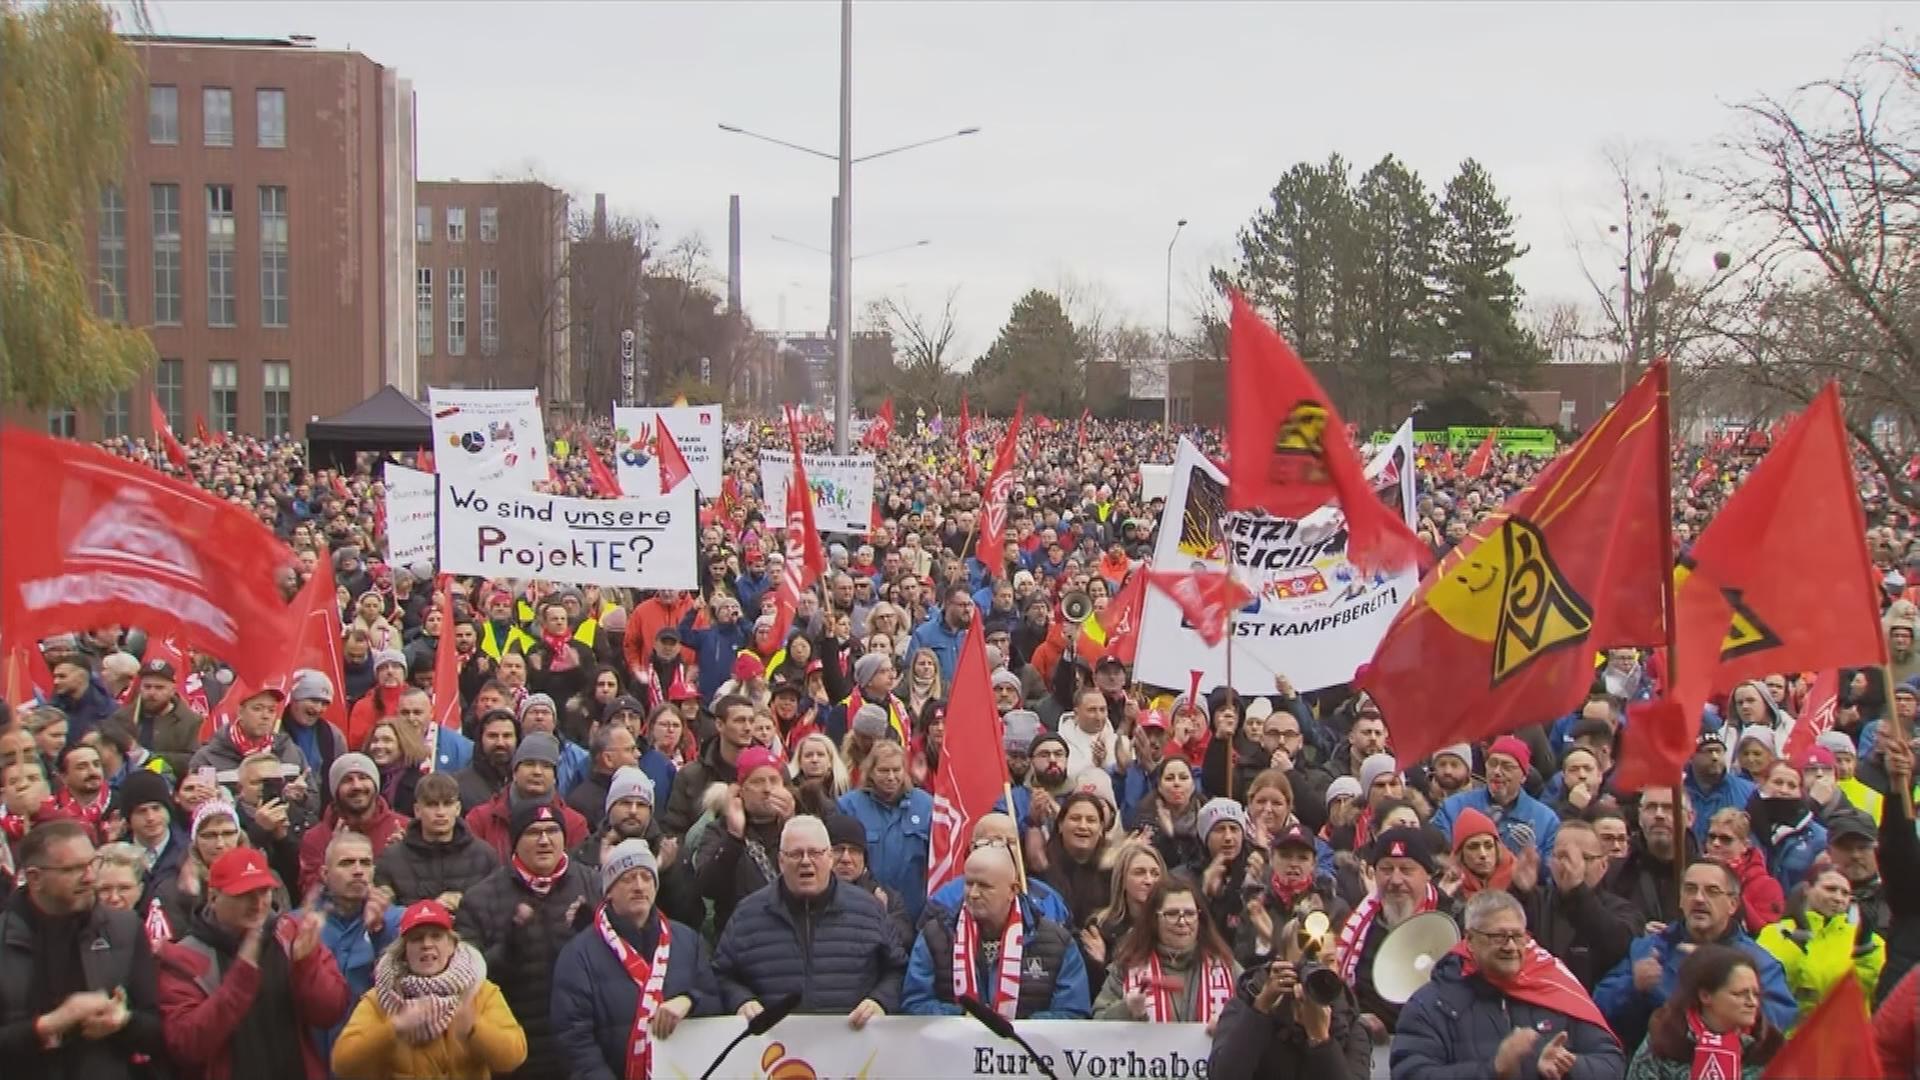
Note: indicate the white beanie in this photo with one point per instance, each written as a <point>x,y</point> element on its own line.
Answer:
<point>1375,767</point>
<point>627,855</point>
<point>629,783</point>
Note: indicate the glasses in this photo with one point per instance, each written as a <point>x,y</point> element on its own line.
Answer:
<point>1503,937</point>
<point>806,854</point>
<point>1723,839</point>
<point>1187,916</point>
<point>1711,892</point>
<point>72,868</point>
<point>990,841</point>
<point>1285,734</point>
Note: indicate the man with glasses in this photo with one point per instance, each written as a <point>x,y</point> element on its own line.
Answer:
<point>1519,816</point>
<point>1645,875</point>
<point>1506,1005</point>
<point>1641,983</point>
<point>1730,843</point>
<point>77,990</point>
<point>1284,738</point>
<point>1588,928</point>
<point>809,933</point>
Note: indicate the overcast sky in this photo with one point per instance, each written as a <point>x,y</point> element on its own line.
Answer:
<point>1102,123</point>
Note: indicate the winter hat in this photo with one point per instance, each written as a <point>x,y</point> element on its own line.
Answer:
<point>754,758</point>
<point>1836,742</point>
<point>1044,738</point>
<point>843,830</point>
<point>1403,843</point>
<point>1003,677</point>
<point>1343,787</point>
<point>1471,823</point>
<point>348,764</point>
<point>872,721</point>
<point>1759,733</point>
<point>1513,747</point>
<point>540,747</point>
<point>1259,708</point>
<point>388,656</point>
<point>310,685</point>
<point>1019,728</point>
<point>624,858</point>
<point>140,788</point>
<point>615,620</point>
<point>526,815</point>
<point>1815,755</point>
<point>629,783</point>
<point>623,703</point>
<point>1463,751</point>
<point>748,666</point>
<point>1217,811</point>
<point>212,808</point>
<point>995,658</point>
<point>1375,767</point>
<point>1097,782</point>
<point>869,665</point>
<point>534,700</point>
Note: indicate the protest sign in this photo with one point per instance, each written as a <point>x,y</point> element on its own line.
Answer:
<point>697,430</point>
<point>1155,482</point>
<point>489,436</point>
<point>842,488</point>
<point>411,513</point>
<point>1314,618</point>
<point>643,542</point>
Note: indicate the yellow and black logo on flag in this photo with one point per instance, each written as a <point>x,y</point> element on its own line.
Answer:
<point>1508,593</point>
<point>1297,445</point>
<point>1748,633</point>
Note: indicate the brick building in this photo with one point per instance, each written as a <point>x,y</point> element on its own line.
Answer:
<point>261,234</point>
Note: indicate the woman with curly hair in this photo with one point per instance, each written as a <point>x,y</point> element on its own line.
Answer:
<point>1713,1020</point>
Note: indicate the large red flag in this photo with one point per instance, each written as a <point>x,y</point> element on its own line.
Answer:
<point>973,768</point>
<point>1833,1042</point>
<point>1115,632</point>
<point>880,431</point>
<point>1502,633</point>
<point>95,540</point>
<point>316,646</point>
<point>175,452</point>
<point>1206,598</point>
<point>813,557</point>
<point>993,514</point>
<point>1482,457</point>
<point>1290,450</point>
<point>673,464</point>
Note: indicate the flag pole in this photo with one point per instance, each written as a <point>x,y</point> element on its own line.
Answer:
<point>1019,857</point>
<point>1893,721</point>
<point>1680,829</point>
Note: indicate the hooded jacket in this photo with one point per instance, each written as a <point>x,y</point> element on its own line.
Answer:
<point>1816,951</point>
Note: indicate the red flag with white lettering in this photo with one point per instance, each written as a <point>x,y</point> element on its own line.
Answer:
<point>973,768</point>
<point>993,514</point>
<point>1816,717</point>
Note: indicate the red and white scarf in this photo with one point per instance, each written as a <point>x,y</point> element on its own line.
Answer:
<point>650,979</point>
<point>1353,935</point>
<point>14,826</point>
<point>247,745</point>
<point>1216,989</point>
<point>1714,1054</point>
<point>91,813</point>
<point>560,656</point>
<point>1006,988</point>
<point>159,927</point>
<point>541,885</point>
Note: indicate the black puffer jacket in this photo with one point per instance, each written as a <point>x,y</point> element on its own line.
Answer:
<point>419,869</point>
<point>1249,1044</point>
<point>520,959</point>
<point>834,951</point>
<point>1453,1026</point>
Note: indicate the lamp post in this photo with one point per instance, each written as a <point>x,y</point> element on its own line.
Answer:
<point>1166,396</point>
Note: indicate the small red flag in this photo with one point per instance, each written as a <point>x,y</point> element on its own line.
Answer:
<point>1482,457</point>
<point>993,515</point>
<point>1290,450</point>
<point>175,452</point>
<point>673,464</point>
<point>200,429</point>
<point>973,770</point>
<point>1206,598</point>
<point>1816,716</point>
<point>1115,631</point>
<point>813,557</point>
<point>605,484</point>
<point>1833,1042</point>
<point>880,432</point>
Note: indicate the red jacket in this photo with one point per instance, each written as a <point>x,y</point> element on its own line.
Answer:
<point>488,824</point>
<point>199,1025</point>
<point>382,826</point>
<point>1761,897</point>
<point>376,705</point>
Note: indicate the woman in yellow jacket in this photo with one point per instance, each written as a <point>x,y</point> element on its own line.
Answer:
<point>431,1012</point>
<point>1825,941</point>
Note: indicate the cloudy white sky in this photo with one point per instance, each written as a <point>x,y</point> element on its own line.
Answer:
<point>1101,123</point>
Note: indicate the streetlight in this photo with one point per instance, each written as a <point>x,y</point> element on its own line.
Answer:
<point>1166,395</point>
<point>778,239</point>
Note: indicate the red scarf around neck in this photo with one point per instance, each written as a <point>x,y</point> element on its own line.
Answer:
<point>650,980</point>
<point>1545,982</point>
<point>247,745</point>
<point>1714,1054</point>
<point>1353,934</point>
<point>541,885</point>
<point>1006,989</point>
<point>1216,988</point>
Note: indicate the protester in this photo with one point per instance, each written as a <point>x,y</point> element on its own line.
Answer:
<point>1713,1024</point>
<point>1273,1028</point>
<point>997,949</point>
<point>1403,874</point>
<point>1825,940</point>
<point>361,921</point>
<point>1173,966</point>
<point>356,806</point>
<point>533,780</point>
<point>735,857</point>
<point>1570,912</point>
<point>438,858</point>
<point>898,819</point>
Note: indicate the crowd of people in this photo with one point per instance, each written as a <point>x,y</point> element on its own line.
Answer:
<point>653,810</point>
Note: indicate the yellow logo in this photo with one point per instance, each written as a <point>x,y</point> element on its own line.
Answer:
<point>1747,633</point>
<point>1297,446</point>
<point>1508,592</point>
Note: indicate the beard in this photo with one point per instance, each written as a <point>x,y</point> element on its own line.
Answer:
<point>1017,773</point>
<point>1395,909</point>
<point>631,829</point>
<point>1051,778</point>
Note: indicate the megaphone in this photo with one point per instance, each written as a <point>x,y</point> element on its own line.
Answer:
<point>1405,960</point>
<point>1076,607</point>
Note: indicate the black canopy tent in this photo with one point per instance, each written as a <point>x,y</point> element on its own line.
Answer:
<point>389,420</point>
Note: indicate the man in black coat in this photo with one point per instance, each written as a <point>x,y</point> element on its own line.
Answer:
<point>492,764</point>
<point>1587,927</point>
<point>1271,1028</point>
<point>439,858</point>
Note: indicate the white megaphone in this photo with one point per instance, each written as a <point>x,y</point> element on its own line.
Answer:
<point>1405,960</point>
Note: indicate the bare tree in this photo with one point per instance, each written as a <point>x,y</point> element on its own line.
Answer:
<point>924,344</point>
<point>1560,326</point>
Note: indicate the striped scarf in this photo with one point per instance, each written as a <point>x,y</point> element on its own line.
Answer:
<point>395,985</point>
<point>650,980</point>
<point>1715,1056</point>
<point>1216,989</point>
<point>1006,989</point>
<point>540,884</point>
<point>1353,935</point>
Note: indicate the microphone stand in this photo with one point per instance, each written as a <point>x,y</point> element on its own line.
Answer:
<point>756,1027</point>
<point>1003,1027</point>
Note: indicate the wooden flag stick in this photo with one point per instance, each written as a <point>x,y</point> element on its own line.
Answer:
<point>1019,859</point>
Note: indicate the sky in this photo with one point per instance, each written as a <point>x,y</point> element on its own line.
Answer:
<point>1101,124</point>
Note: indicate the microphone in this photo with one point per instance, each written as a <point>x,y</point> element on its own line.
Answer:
<point>1003,1028</point>
<point>756,1027</point>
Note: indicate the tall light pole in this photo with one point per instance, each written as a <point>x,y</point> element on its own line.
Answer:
<point>843,245</point>
<point>1166,396</point>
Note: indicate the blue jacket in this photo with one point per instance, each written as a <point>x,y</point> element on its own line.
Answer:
<point>355,952</point>
<point>1044,897</point>
<point>594,999</point>
<point>750,588</point>
<point>1535,814</point>
<point>1053,975</point>
<point>834,952</point>
<point>88,711</point>
<point>1628,1010</point>
<point>659,769</point>
<point>1732,791</point>
<point>455,751</point>
<point>945,642</point>
<point>575,765</point>
<point>714,648</point>
<point>1790,858</point>
<point>899,838</point>
<point>1452,1027</point>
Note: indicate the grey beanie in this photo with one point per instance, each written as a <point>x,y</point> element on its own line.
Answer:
<point>872,721</point>
<point>1003,677</point>
<point>625,857</point>
<point>1375,767</point>
<point>1463,751</point>
<point>389,656</point>
<point>869,665</point>
<point>1020,727</point>
<point>629,783</point>
<point>310,685</point>
<point>346,765</point>
<point>533,700</point>
<point>540,747</point>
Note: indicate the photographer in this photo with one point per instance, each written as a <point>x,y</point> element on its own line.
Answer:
<point>1272,1028</point>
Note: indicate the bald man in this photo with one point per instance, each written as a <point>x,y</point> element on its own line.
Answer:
<point>995,829</point>
<point>997,949</point>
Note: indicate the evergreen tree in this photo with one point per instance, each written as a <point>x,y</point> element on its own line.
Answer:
<point>1396,310</point>
<point>1038,354</point>
<point>1491,352</point>
<point>1296,253</point>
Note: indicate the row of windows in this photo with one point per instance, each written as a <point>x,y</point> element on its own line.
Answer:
<point>216,116</point>
<point>169,271</point>
<point>456,224</point>
<point>457,311</point>
<point>223,401</point>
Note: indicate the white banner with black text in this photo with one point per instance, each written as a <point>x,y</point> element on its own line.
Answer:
<point>638,542</point>
<point>842,488</point>
<point>697,430</point>
<point>489,436</point>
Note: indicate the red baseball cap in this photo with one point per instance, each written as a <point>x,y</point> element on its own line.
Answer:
<point>1153,719</point>
<point>425,913</point>
<point>240,871</point>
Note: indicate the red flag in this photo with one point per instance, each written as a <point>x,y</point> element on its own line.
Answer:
<point>993,515</point>
<point>605,484</point>
<point>1833,1042</point>
<point>813,557</point>
<point>1206,598</point>
<point>673,464</point>
<point>965,439</point>
<point>880,432</point>
<point>1816,716</point>
<point>1746,603</point>
<point>1503,631</point>
<point>973,769</point>
<point>319,644</point>
<point>1290,451</point>
<point>1080,437</point>
<point>92,540</point>
<point>175,452</point>
<point>1115,632</point>
<point>200,429</point>
<point>1482,457</point>
<point>446,678</point>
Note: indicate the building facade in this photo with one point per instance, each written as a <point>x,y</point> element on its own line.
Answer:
<point>260,233</point>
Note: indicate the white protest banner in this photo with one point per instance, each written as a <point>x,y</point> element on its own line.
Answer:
<point>489,436</point>
<point>494,531</point>
<point>411,513</point>
<point>1314,618</point>
<point>842,488</point>
<point>697,430</point>
<point>934,1048</point>
<point>1155,482</point>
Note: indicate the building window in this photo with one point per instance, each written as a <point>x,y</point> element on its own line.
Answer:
<point>423,224</point>
<point>274,261</point>
<point>114,416</point>
<point>62,423</point>
<point>489,311</point>
<point>167,268</point>
<point>112,299</point>
<point>456,311</point>
<point>222,309</point>
<point>170,386</point>
<point>216,116</point>
<point>456,224</point>
<point>279,399</point>
<point>423,310</point>
<point>489,224</point>
<point>163,115</point>
<point>223,379</point>
<point>270,118</point>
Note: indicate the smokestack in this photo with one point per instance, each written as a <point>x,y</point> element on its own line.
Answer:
<point>599,216</point>
<point>733,255</point>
